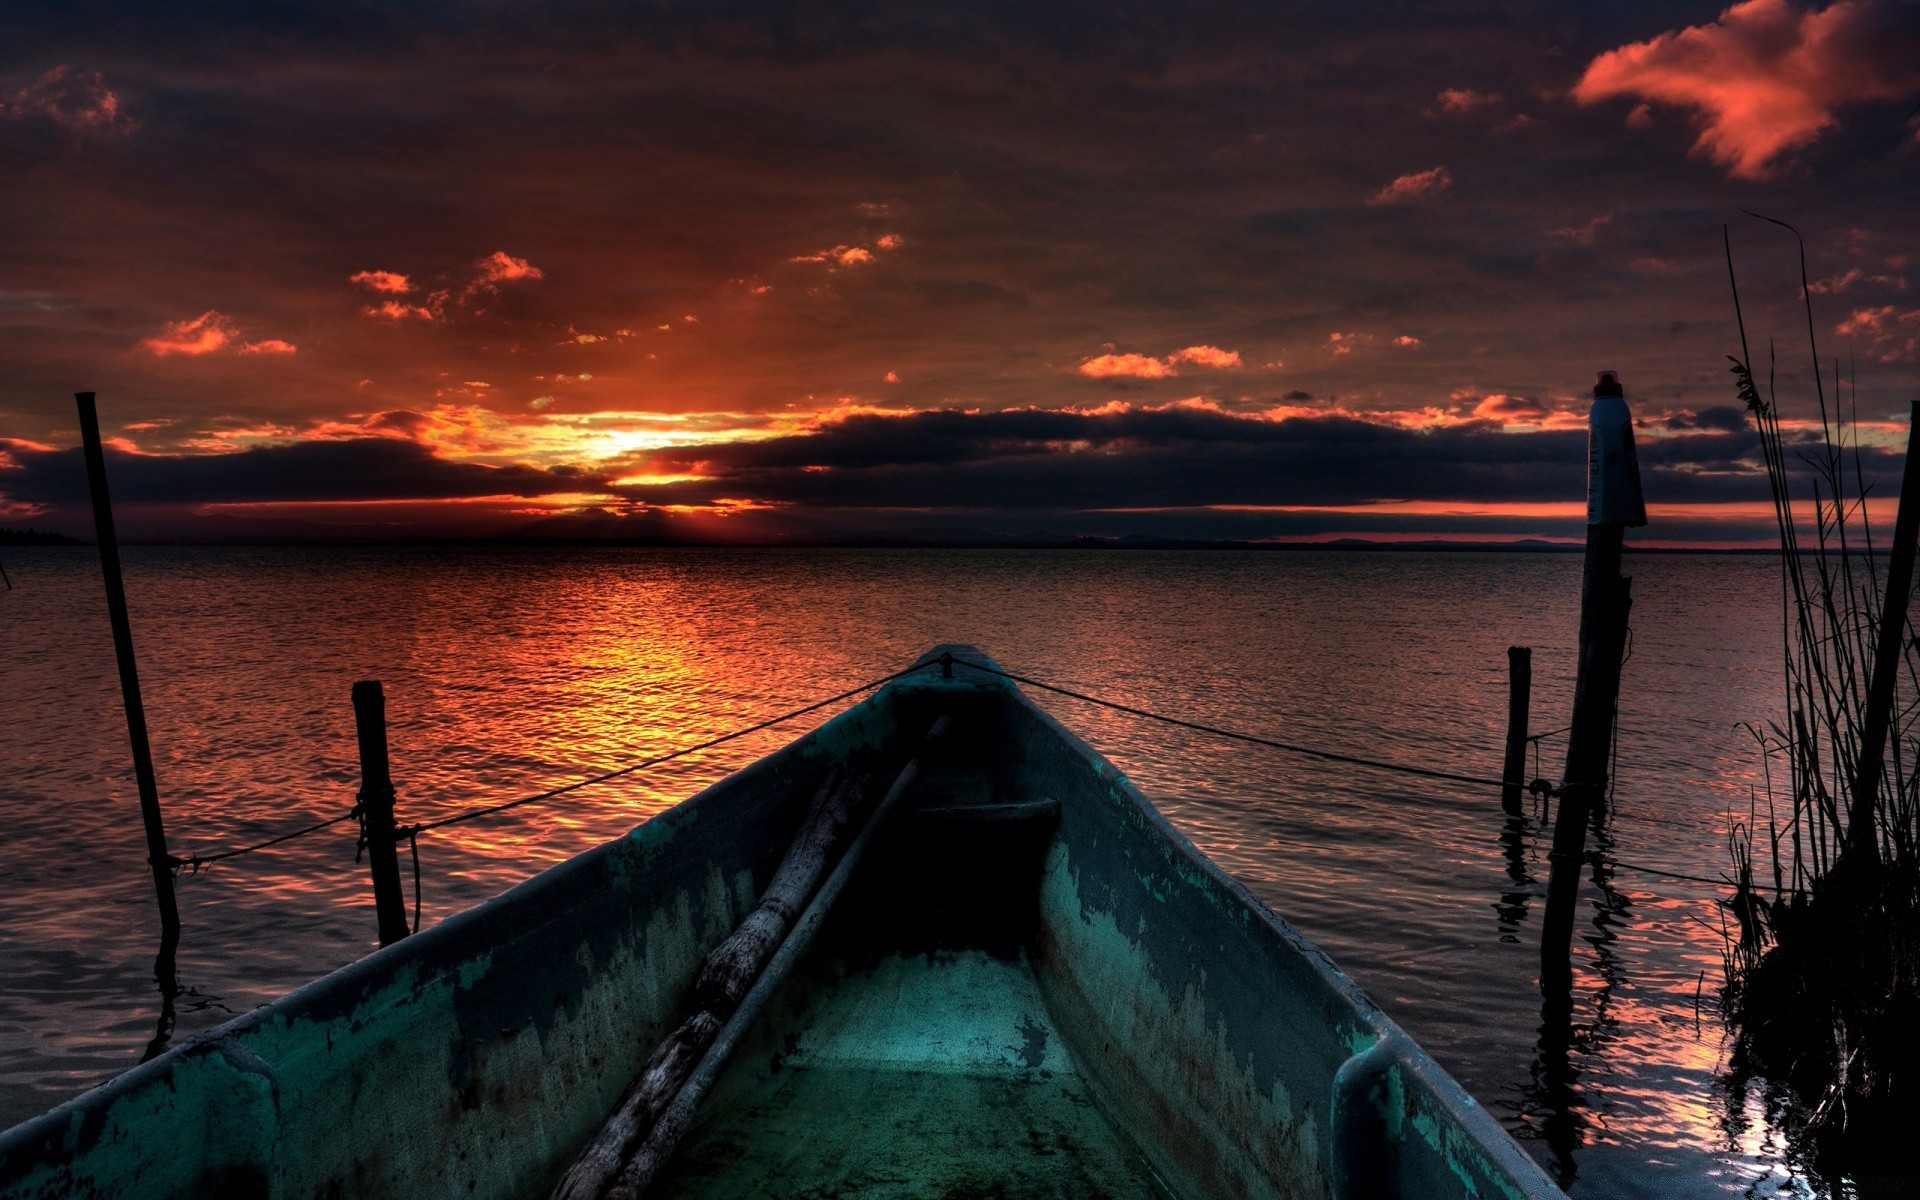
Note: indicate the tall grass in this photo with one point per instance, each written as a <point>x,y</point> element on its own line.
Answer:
<point>1822,969</point>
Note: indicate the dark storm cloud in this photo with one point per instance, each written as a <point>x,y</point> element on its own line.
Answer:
<point>954,460</point>
<point>1185,458</point>
<point>357,469</point>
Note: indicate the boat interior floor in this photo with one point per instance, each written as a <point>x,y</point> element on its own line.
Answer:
<point>937,1074</point>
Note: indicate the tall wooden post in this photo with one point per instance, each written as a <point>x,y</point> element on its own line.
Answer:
<point>1891,640</point>
<point>157,856</point>
<point>1613,503</point>
<point>1519,700</point>
<point>376,809</point>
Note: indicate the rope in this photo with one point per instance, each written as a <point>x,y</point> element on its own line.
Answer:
<point>1535,737</point>
<point>1617,863</point>
<point>655,761</point>
<point>413,844</point>
<point>1325,755</point>
<point>194,862</point>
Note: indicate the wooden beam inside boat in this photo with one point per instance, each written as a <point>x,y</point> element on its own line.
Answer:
<point>760,953</point>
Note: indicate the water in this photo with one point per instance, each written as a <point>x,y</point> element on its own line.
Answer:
<point>507,671</point>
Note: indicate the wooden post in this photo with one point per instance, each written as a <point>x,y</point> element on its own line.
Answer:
<point>157,856</point>
<point>1519,700</point>
<point>376,809</point>
<point>1613,503</point>
<point>1886,654</point>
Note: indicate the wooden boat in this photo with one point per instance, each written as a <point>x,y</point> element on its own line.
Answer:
<point>1030,985</point>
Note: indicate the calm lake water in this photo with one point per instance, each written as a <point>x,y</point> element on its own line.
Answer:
<point>509,671</point>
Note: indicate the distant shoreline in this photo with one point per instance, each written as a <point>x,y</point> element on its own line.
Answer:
<point>18,538</point>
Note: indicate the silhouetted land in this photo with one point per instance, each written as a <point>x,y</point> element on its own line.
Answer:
<point>33,537</point>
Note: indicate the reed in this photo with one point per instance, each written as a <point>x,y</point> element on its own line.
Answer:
<point>1823,954</point>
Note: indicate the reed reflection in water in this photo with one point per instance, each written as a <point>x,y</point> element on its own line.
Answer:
<point>508,671</point>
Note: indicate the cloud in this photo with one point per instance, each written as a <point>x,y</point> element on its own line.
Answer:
<point>1500,407</point>
<point>1766,78</point>
<point>1207,356</point>
<point>1126,366</point>
<point>846,256</point>
<point>1834,285</point>
<point>501,267</point>
<point>1460,101</point>
<point>205,334</point>
<point>390,282</point>
<point>359,469</point>
<point>394,310</point>
<point>1419,185</point>
<point>210,333</point>
<point>1122,456</point>
<point>1144,366</point>
<point>1888,333</point>
<point>1409,341</point>
<point>1583,234</point>
<point>76,101</point>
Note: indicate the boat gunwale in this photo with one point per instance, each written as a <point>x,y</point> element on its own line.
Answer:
<point>1502,1149</point>
<point>350,983</point>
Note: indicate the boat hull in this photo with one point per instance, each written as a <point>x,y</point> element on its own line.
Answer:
<point>1221,1050</point>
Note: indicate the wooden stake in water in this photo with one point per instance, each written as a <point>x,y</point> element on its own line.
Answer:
<point>1613,503</point>
<point>376,809</point>
<point>1887,653</point>
<point>157,856</point>
<point>1519,700</point>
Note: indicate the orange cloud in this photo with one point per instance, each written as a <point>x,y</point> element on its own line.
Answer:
<point>394,310</point>
<point>1501,407</point>
<point>1845,281</point>
<point>269,346</point>
<point>1343,343</point>
<point>1583,234</point>
<point>391,282</point>
<point>846,256</point>
<point>1889,334</point>
<point>1409,341</point>
<point>1126,366</point>
<point>1419,185</point>
<point>79,101</point>
<point>1464,100</point>
<point>204,334</point>
<point>1144,366</point>
<point>1766,77</point>
<point>501,267</point>
<point>1207,356</point>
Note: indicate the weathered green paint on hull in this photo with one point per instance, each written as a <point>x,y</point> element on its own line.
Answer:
<point>1033,987</point>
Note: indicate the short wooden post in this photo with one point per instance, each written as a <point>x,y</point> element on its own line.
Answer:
<point>376,809</point>
<point>1613,503</point>
<point>1891,641</point>
<point>1519,700</point>
<point>157,856</point>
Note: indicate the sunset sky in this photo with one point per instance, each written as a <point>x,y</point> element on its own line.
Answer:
<point>783,272</point>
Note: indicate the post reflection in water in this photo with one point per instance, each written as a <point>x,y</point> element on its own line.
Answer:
<point>1511,909</point>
